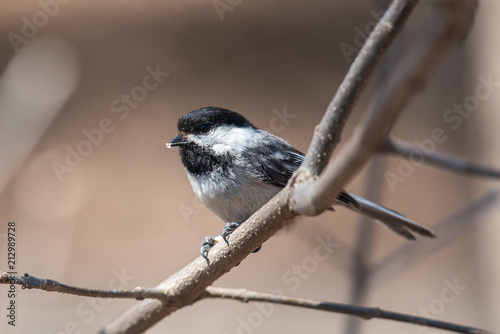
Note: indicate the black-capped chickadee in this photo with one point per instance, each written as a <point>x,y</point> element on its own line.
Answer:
<point>236,168</point>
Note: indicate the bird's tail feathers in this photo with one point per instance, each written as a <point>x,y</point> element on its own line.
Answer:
<point>390,219</point>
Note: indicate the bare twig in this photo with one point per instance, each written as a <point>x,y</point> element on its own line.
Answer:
<point>358,311</point>
<point>32,282</point>
<point>451,163</point>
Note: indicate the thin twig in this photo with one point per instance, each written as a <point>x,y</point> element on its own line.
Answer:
<point>358,311</point>
<point>32,282</point>
<point>441,160</point>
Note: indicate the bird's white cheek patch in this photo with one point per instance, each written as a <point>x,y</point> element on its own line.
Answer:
<point>230,139</point>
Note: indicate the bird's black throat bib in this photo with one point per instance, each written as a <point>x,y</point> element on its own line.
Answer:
<point>200,161</point>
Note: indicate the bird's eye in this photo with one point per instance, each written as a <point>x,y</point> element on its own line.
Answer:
<point>204,128</point>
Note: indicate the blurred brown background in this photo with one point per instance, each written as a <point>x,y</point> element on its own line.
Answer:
<point>127,207</point>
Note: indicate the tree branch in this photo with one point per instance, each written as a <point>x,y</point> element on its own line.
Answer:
<point>327,134</point>
<point>311,197</point>
<point>366,313</point>
<point>32,282</point>
<point>451,163</point>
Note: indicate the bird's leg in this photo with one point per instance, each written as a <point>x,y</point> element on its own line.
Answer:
<point>229,229</point>
<point>208,243</point>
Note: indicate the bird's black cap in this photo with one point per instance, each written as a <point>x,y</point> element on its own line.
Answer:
<point>212,116</point>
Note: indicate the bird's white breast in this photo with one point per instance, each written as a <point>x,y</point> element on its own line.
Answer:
<point>234,197</point>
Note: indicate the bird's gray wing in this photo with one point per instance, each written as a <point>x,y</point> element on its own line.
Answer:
<point>273,163</point>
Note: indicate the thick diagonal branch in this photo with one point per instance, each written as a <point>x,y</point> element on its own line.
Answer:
<point>328,132</point>
<point>313,196</point>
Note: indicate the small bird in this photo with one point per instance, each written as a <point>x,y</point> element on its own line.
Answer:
<point>236,168</point>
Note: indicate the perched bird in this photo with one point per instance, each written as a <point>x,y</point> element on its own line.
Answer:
<point>236,168</point>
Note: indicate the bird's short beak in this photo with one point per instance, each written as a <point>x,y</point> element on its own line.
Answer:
<point>180,140</point>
